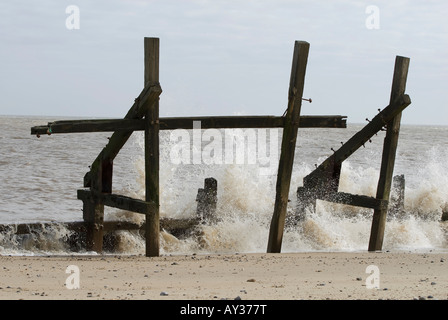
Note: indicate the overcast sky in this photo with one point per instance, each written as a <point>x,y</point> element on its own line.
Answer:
<point>222,57</point>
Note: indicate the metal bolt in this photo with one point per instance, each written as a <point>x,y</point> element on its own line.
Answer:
<point>309,100</point>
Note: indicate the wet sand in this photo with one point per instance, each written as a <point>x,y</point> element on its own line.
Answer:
<point>289,276</point>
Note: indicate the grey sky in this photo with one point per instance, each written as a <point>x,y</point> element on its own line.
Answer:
<point>221,57</point>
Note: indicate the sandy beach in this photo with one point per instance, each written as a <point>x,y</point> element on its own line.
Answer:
<point>288,276</point>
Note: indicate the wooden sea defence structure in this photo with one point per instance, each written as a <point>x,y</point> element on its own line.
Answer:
<point>322,183</point>
<point>144,116</point>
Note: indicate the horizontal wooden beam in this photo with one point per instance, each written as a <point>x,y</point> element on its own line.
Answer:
<point>355,200</point>
<point>76,226</point>
<point>109,125</point>
<point>169,224</point>
<point>326,121</point>
<point>217,122</point>
<point>92,125</point>
<point>118,201</point>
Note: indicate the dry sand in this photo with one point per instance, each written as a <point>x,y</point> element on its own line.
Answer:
<point>287,276</point>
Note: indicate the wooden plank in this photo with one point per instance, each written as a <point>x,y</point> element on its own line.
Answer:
<point>26,228</point>
<point>296,85</point>
<point>118,201</point>
<point>152,229</point>
<point>322,172</point>
<point>89,125</point>
<point>129,204</point>
<point>241,122</point>
<point>389,154</point>
<point>355,200</point>
<point>109,226</point>
<point>328,121</point>
<point>172,123</point>
<point>222,122</point>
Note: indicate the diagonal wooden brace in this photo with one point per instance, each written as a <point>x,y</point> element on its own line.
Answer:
<point>149,95</point>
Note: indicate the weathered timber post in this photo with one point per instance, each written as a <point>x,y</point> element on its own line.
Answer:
<point>93,208</point>
<point>207,199</point>
<point>296,85</point>
<point>152,229</point>
<point>388,157</point>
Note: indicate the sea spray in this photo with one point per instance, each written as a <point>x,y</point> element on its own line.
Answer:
<point>428,194</point>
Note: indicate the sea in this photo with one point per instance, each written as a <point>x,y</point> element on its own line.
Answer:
<point>40,178</point>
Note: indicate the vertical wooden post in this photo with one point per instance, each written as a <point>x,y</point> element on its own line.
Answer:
<point>388,157</point>
<point>106,175</point>
<point>296,85</point>
<point>93,210</point>
<point>207,199</point>
<point>152,150</point>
